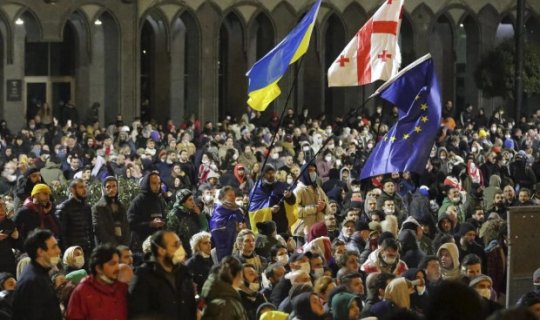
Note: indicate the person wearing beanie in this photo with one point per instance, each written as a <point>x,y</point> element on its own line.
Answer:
<point>185,218</point>
<point>271,200</point>
<point>346,306</point>
<point>75,217</point>
<point>467,243</point>
<point>37,212</point>
<point>535,293</point>
<point>24,187</point>
<point>109,217</point>
<point>483,284</point>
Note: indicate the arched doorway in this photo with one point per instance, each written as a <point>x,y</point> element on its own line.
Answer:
<point>406,42</point>
<point>442,50</point>
<point>334,99</point>
<point>232,68</point>
<point>505,30</point>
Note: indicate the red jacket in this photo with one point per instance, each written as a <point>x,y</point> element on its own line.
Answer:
<point>92,299</point>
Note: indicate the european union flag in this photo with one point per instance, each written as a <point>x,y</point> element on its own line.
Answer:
<point>406,146</point>
<point>265,73</point>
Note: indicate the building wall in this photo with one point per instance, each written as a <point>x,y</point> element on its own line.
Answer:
<point>187,80</point>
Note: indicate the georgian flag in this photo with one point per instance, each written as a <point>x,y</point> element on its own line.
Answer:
<point>373,54</point>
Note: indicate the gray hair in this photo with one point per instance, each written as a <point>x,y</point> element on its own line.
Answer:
<point>196,239</point>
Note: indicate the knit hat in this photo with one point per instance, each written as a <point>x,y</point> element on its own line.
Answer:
<point>154,135</point>
<point>424,190</point>
<point>482,133</point>
<point>341,302</point>
<point>465,227</point>
<point>183,195</point>
<point>40,187</point>
<point>536,277</point>
<point>266,227</point>
<point>476,280</point>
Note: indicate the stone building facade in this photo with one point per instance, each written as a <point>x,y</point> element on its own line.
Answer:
<point>175,58</point>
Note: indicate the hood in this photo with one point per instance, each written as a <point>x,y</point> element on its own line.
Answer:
<point>51,165</point>
<point>236,175</point>
<point>410,274</point>
<point>341,303</point>
<point>145,182</point>
<point>318,229</point>
<point>495,181</point>
<point>215,288</point>
<point>302,307</point>
<point>407,238</point>
<point>454,253</point>
<point>441,149</point>
<point>397,291</point>
<point>304,177</point>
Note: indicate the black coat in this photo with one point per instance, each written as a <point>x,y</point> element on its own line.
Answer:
<point>75,218</point>
<point>7,258</point>
<point>143,209</point>
<point>104,222</point>
<point>199,268</point>
<point>152,296</point>
<point>34,296</point>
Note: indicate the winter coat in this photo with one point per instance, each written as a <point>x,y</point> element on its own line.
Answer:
<point>24,188</point>
<point>32,216</point>
<point>447,203</point>
<point>411,253</point>
<point>454,273</point>
<point>75,218</point>
<point>223,223</point>
<point>307,194</point>
<point>420,209</point>
<point>222,301</point>
<point>489,192</point>
<point>185,223</point>
<point>52,172</point>
<point>7,258</point>
<point>36,288</point>
<point>152,296</point>
<point>143,209</point>
<point>110,227</point>
<point>199,267</point>
<point>374,263</point>
<point>401,210</point>
<point>92,299</point>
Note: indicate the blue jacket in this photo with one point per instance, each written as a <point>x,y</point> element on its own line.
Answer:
<point>223,229</point>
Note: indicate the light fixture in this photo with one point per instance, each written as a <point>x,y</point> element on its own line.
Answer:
<point>461,25</point>
<point>98,22</point>
<point>19,22</point>
<point>144,52</point>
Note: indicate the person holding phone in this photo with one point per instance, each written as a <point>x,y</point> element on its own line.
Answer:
<point>37,212</point>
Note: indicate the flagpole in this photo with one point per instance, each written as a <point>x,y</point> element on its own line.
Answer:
<point>272,142</point>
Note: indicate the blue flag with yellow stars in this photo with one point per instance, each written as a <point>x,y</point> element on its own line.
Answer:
<point>406,146</point>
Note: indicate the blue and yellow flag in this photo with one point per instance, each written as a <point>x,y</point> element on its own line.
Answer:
<point>406,146</point>
<point>265,73</point>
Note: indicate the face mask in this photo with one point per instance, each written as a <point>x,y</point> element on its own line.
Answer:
<point>283,259</point>
<point>389,260</point>
<point>239,203</point>
<point>328,158</point>
<point>79,262</point>
<point>204,255</point>
<point>474,149</point>
<point>208,198</point>
<point>290,180</point>
<point>179,255</point>
<point>486,293</point>
<point>254,286</point>
<point>443,157</point>
<point>235,156</point>
<point>421,290</point>
<point>106,279</point>
<point>313,176</point>
<point>331,147</point>
<point>305,149</point>
<point>305,267</point>
<point>275,156</point>
<point>318,272</point>
<point>205,161</point>
<point>54,261</point>
<point>389,211</point>
<point>369,146</point>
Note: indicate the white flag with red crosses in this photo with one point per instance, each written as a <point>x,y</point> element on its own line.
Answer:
<point>373,54</point>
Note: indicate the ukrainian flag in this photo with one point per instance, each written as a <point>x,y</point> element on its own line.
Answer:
<point>265,73</point>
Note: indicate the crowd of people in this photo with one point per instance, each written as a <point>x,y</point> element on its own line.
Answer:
<point>225,225</point>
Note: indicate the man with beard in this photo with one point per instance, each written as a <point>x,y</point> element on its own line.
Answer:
<point>467,244</point>
<point>37,212</point>
<point>498,205</point>
<point>109,217</point>
<point>163,287</point>
<point>474,199</point>
<point>524,197</point>
<point>271,200</point>
<point>432,267</point>
<point>477,218</point>
<point>146,214</point>
<point>453,198</point>
<point>509,196</point>
<point>75,217</point>
<point>101,295</point>
<point>187,166</point>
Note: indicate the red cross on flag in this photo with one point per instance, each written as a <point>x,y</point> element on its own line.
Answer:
<point>373,54</point>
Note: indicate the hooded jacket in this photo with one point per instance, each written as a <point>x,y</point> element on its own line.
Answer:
<point>52,172</point>
<point>32,216</point>
<point>92,299</point>
<point>24,188</point>
<point>411,254</point>
<point>222,301</point>
<point>308,193</point>
<point>110,226</point>
<point>374,263</point>
<point>489,192</point>
<point>185,223</point>
<point>143,209</point>
<point>420,209</point>
<point>454,273</point>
